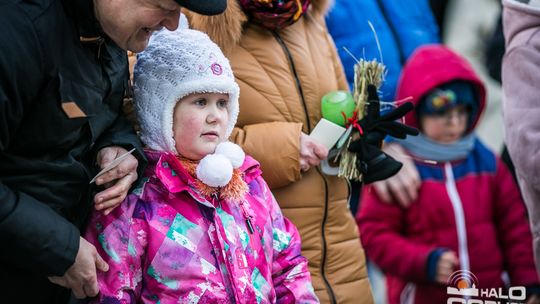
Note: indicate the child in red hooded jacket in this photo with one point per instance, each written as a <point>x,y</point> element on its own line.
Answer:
<point>468,227</point>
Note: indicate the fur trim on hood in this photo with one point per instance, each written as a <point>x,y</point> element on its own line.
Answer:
<point>226,29</point>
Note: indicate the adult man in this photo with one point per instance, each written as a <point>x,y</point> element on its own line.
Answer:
<point>63,73</point>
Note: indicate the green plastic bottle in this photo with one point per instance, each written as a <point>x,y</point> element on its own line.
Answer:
<point>335,102</point>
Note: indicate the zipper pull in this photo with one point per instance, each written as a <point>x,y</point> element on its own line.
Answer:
<point>250,227</point>
<point>98,40</point>
<point>216,199</point>
<point>248,218</point>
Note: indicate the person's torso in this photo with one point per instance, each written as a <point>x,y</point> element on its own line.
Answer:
<point>398,28</point>
<point>201,248</point>
<point>283,76</point>
<point>455,210</point>
<point>50,153</point>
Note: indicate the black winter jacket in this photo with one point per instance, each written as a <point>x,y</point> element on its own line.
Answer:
<point>61,88</point>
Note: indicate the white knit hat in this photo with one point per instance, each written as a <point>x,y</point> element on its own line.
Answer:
<point>174,65</point>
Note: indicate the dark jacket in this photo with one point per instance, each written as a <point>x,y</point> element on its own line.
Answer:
<point>61,90</point>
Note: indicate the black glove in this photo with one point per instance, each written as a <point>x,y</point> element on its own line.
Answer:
<point>371,161</point>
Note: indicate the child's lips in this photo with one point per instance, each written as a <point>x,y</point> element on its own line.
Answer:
<point>211,134</point>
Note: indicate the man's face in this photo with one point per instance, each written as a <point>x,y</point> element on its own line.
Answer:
<point>130,23</point>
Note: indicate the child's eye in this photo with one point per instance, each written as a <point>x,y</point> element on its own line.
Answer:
<point>222,103</point>
<point>200,102</point>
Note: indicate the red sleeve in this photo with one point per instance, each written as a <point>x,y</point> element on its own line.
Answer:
<point>382,228</point>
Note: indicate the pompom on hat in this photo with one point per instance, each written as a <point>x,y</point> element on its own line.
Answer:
<point>174,65</point>
<point>216,170</point>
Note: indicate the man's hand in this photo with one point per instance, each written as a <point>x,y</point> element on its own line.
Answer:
<point>81,276</point>
<point>445,266</point>
<point>402,187</point>
<point>117,181</point>
<point>311,152</point>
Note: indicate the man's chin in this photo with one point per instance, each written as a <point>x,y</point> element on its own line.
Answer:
<point>137,49</point>
<point>137,46</point>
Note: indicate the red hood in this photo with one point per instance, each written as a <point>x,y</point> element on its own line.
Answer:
<point>430,66</point>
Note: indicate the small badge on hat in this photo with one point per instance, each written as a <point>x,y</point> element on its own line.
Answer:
<point>216,69</point>
<point>442,98</point>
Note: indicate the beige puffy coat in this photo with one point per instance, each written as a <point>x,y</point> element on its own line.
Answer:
<point>282,77</point>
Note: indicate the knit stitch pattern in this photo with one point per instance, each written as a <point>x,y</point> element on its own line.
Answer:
<point>174,65</point>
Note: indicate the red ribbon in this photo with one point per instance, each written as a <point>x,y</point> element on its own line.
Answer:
<point>352,121</point>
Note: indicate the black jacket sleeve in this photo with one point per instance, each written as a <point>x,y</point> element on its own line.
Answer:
<point>33,236</point>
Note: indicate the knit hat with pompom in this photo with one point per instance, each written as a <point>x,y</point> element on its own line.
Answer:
<point>176,64</point>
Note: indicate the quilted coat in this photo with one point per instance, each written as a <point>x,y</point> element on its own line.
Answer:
<point>521,23</point>
<point>167,243</point>
<point>282,77</point>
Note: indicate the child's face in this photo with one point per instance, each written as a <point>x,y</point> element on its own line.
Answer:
<point>445,128</point>
<point>200,124</point>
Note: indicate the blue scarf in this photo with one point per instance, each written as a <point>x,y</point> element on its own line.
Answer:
<point>427,149</point>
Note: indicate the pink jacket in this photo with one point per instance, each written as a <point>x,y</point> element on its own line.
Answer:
<point>166,243</point>
<point>521,105</point>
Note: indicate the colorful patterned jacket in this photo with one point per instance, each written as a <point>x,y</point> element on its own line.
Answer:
<point>167,243</point>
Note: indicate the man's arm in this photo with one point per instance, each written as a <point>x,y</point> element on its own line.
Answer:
<point>39,239</point>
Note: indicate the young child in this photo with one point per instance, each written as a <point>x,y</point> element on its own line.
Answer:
<point>202,226</point>
<point>469,215</point>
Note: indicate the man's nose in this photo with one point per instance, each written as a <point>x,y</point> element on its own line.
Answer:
<point>171,21</point>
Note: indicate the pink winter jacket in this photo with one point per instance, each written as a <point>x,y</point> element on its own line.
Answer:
<point>166,243</point>
<point>521,104</point>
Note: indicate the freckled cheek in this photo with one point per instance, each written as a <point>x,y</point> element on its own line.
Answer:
<point>193,124</point>
<point>188,130</point>
<point>224,121</point>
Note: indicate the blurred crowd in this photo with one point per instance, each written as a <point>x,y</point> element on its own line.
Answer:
<point>159,151</point>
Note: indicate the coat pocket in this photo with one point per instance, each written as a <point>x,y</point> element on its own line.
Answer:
<point>58,119</point>
<point>78,100</point>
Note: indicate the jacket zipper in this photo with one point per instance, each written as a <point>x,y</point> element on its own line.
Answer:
<point>323,234</point>
<point>459,214</point>
<point>408,294</point>
<point>247,217</point>
<point>215,198</point>
<point>94,40</point>
<point>216,203</point>
<point>325,216</point>
<point>297,80</point>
